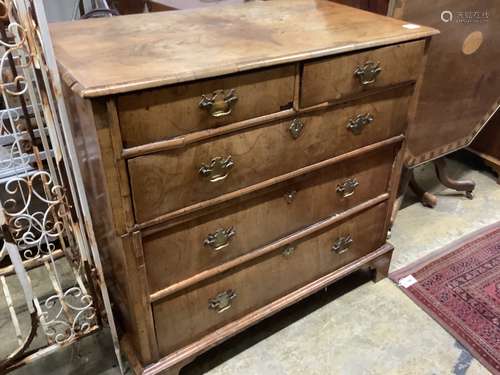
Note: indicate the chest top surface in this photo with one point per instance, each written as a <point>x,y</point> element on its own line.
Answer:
<point>114,55</point>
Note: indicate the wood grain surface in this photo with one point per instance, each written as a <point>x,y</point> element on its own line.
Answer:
<point>136,83</point>
<point>487,144</point>
<point>264,280</point>
<point>150,50</point>
<point>260,153</point>
<point>461,84</point>
<point>154,115</point>
<point>333,78</point>
<point>94,146</point>
<point>488,141</point>
<point>179,252</point>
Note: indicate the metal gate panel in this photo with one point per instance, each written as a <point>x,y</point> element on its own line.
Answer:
<point>53,288</point>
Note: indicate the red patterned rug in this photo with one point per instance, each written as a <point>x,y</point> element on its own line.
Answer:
<point>459,286</point>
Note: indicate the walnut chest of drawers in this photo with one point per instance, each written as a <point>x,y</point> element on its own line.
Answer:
<point>236,162</point>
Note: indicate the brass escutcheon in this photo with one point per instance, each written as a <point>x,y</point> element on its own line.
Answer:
<point>296,128</point>
<point>288,250</point>
<point>290,196</point>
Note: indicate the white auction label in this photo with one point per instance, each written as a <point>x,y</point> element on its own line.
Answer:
<point>407,281</point>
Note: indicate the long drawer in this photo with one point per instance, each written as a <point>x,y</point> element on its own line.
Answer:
<point>232,295</point>
<point>155,115</point>
<point>335,78</point>
<point>185,250</point>
<point>170,180</point>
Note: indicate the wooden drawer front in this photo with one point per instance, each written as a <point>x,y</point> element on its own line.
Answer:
<point>156,115</point>
<point>171,180</point>
<point>268,278</point>
<point>335,78</point>
<point>185,250</point>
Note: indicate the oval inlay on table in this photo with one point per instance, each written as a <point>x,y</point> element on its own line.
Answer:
<point>472,43</point>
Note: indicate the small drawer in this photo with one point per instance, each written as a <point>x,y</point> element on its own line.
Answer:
<point>159,114</point>
<point>336,78</point>
<point>171,180</point>
<point>234,294</point>
<point>187,249</point>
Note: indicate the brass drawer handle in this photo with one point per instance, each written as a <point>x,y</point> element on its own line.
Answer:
<point>347,188</point>
<point>296,127</point>
<point>368,73</point>
<point>218,169</point>
<point>288,250</point>
<point>342,244</point>
<point>220,238</point>
<point>358,123</point>
<point>222,301</point>
<point>219,103</point>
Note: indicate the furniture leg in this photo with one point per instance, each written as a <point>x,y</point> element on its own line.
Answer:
<point>380,266</point>
<point>426,198</point>
<point>458,185</point>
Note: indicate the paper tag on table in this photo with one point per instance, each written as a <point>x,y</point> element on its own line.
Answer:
<point>407,281</point>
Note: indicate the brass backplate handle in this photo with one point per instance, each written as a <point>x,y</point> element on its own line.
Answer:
<point>342,244</point>
<point>220,238</point>
<point>358,123</point>
<point>222,301</point>
<point>219,103</point>
<point>218,168</point>
<point>348,187</point>
<point>368,73</point>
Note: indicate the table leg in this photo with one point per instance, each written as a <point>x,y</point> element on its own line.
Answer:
<point>426,198</point>
<point>458,185</point>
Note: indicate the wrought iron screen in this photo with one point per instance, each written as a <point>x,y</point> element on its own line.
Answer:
<point>52,286</point>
